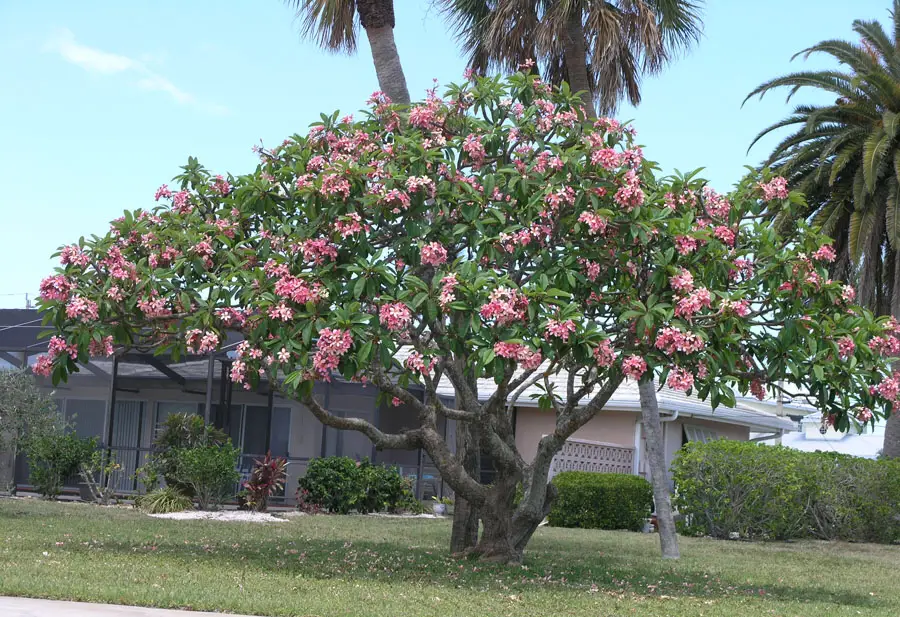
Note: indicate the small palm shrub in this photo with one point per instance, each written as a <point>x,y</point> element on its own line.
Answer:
<point>164,500</point>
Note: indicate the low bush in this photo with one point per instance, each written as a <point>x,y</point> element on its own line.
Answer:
<point>601,501</point>
<point>53,457</point>
<point>163,500</point>
<point>208,471</point>
<point>341,485</point>
<point>772,492</point>
<point>178,432</point>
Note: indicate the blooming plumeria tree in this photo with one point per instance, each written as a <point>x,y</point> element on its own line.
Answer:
<point>492,233</point>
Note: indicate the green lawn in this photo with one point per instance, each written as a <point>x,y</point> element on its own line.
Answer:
<point>354,565</point>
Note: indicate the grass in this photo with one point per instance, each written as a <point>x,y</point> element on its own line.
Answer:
<point>353,565</point>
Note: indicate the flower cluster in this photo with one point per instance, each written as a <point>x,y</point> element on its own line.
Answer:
<point>604,354</point>
<point>634,366</point>
<point>682,282</point>
<point>526,357</point>
<point>316,251</point>
<point>596,223</point>
<point>103,347</point>
<point>505,306</point>
<point>448,293</point>
<point>846,347</point>
<point>671,340</point>
<point>331,346</point>
<point>680,379</point>
<point>81,308</point>
<point>418,363</point>
<point>434,254</point>
<point>560,329</point>
<point>56,288</point>
<point>395,316</point>
<point>692,303</point>
<point>825,253</point>
<point>73,254</point>
<point>776,188</point>
<point>201,342</point>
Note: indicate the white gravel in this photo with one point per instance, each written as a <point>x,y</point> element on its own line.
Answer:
<point>223,515</point>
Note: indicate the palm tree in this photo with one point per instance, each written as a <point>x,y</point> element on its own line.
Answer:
<point>601,48</point>
<point>845,156</point>
<point>333,25</point>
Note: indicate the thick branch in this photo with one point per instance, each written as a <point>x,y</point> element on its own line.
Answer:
<point>408,440</point>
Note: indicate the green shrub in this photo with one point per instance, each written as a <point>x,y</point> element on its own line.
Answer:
<point>341,485</point>
<point>726,487</point>
<point>53,457</point>
<point>181,431</point>
<point>757,491</point>
<point>209,471</point>
<point>601,501</point>
<point>163,500</point>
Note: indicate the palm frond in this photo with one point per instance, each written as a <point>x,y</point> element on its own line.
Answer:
<point>332,24</point>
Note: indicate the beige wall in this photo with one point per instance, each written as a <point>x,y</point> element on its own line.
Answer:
<point>674,430</point>
<point>613,427</point>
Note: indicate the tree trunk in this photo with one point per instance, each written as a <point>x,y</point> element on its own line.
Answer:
<point>575,53</point>
<point>464,534</point>
<point>668,538</point>
<point>891,447</point>
<point>506,530</point>
<point>391,79</point>
<point>8,464</point>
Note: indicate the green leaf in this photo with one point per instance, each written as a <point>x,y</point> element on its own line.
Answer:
<point>359,287</point>
<point>873,154</point>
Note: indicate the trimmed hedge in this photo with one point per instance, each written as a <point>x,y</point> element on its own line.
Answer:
<point>773,492</point>
<point>601,501</point>
<point>339,484</point>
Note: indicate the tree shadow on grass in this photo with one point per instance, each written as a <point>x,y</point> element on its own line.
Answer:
<point>567,568</point>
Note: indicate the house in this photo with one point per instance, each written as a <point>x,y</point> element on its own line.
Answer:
<point>122,400</point>
<point>813,436</point>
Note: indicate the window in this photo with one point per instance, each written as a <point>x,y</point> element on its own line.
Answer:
<point>699,433</point>
<point>248,425</point>
<point>86,417</point>
<point>164,410</point>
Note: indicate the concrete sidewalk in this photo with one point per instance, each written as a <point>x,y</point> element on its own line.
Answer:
<point>26,607</point>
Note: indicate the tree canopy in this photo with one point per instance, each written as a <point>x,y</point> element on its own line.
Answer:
<point>490,233</point>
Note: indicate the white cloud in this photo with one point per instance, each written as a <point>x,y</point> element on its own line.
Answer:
<point>89,59</point>
<point>98,61</point>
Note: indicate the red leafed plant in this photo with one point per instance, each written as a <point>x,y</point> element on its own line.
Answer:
<point>266,479</point>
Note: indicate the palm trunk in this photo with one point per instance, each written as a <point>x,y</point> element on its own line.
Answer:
<point>891,448</point>
<point>668,538</point>
<point>391,79</point>
<point>575,52</point>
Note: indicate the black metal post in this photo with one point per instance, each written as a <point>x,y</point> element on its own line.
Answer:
<point>269,404</point>
<point>110,413</point>
<point>377,420</point>
<point>219,420</point>
<point>210,370</point>
<point>325,428</point>
<point>226,425</point>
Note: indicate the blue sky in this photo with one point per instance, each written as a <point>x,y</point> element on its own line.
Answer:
<point>101,101</point>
